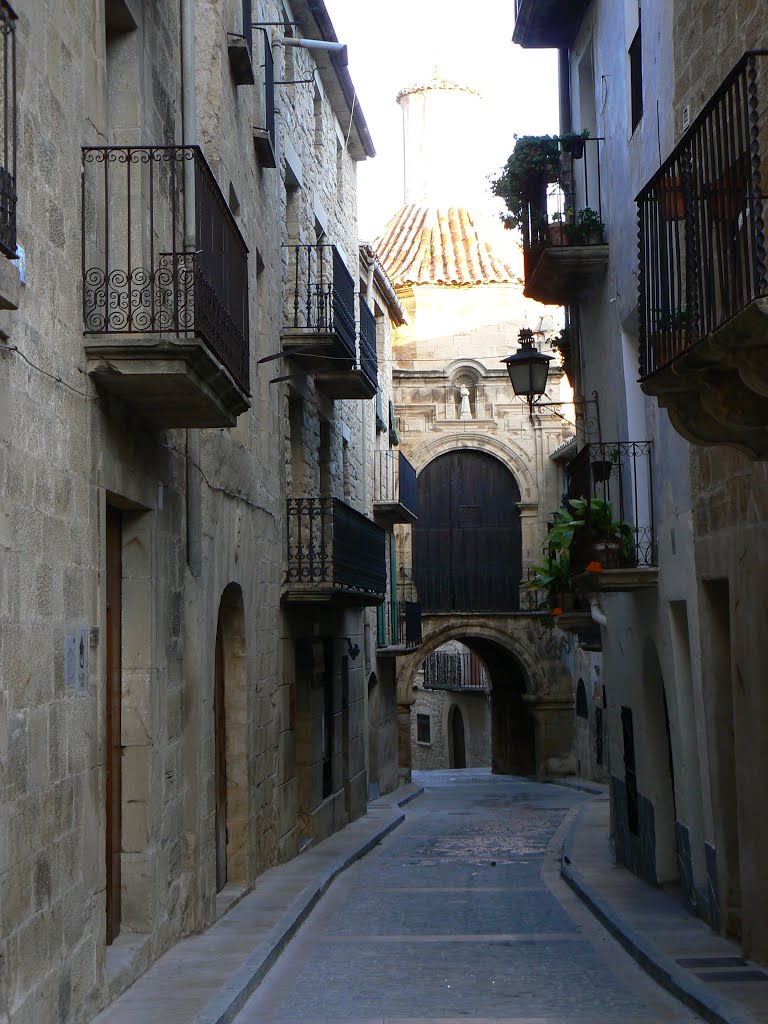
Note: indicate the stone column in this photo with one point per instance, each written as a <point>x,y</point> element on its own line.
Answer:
<point>554,735</point>
<point>404,761</point>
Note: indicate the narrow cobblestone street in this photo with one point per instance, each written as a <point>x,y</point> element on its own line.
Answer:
<point>461,915</point>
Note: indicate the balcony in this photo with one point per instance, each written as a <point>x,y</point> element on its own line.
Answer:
<point>564,249</point>
<point>165,286</point>
<point>551,24</point>
<point>399,623</point>
<point>334,553</point>
<point>394,489</point>
<point>703,277</point>
<point>457,671</point>
<point>320,329</point>
<point>620,473</point>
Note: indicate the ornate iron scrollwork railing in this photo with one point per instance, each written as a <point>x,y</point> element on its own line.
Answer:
<point>619,472</point>
<point>162,253</point>
<point>322,299</point>
<point>701,231</point>
<point>8,131</point>
<point>332,544</point>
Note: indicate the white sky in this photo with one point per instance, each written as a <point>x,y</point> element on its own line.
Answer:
<point>399,43</point>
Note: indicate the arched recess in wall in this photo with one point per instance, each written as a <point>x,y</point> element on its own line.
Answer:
<point>373,731</point>
<point>659,779</point>
<point>582,708</point>
<point>457,750</point>
<point>231,747</point>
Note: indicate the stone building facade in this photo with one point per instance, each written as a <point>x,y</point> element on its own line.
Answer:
<point>173,719</point>
<point>679,637</point>
<point>458,276</point>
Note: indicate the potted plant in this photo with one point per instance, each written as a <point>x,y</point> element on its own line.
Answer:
<point>598,537</point>
<point>533,163</point>
<point>554,577</point>
<point>556,229</point>
<point>563,343</point>
<point>573,143</point>
<point>603,467</point>
<point>671,197</point>
<point>587,229</point>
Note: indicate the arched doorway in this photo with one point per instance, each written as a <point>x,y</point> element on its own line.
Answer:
<point>230,768</point>
<point>467,544</point>
<point>456,743</point>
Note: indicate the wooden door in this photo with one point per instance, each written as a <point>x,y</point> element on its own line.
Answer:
<point>467,543</point>
<point>113,747</point>
<point>457,740</point>
<point>220,755</point>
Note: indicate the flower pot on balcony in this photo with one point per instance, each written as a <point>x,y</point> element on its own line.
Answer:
<point>556,234</point>
<point>601,470</point>
<point>725,201</point>
<point>671,198</point>
<point>595,238</point>
<point>608,553</point>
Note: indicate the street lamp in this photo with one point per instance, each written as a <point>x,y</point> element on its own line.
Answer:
<point>528,369</point>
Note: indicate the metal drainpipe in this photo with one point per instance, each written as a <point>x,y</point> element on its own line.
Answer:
<point>188,138</point>
<point>564,76</point>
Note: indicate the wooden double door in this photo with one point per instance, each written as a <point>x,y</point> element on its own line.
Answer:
<point>467,542</point>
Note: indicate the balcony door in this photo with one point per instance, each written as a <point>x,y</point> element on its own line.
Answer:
<point>467,543</point>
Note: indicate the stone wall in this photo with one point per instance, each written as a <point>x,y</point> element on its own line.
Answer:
<point>439,705</point>
<point>203,524</point>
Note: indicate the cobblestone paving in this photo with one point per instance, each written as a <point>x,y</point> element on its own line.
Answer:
<point>460,915</point>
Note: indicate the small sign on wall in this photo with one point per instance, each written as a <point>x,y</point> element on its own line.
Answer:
<point>81,652</point>
<point>70,661</point>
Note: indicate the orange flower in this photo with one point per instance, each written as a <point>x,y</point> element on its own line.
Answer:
<point>557,611</point>
<point>594,567</point>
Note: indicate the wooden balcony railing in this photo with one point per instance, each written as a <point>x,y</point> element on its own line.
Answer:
<point>162,253</point>
<point>701,232</point>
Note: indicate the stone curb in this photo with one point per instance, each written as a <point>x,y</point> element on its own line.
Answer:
<point>662,968</point>
<point>234,993</point>
<point>583,786</point>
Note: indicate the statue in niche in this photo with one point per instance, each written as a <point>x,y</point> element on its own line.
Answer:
<point>465,410</point>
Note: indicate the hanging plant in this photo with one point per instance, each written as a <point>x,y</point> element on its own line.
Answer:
<point>535,159</point>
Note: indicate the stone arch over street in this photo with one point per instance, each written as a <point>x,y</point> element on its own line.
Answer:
<point>531,689</point>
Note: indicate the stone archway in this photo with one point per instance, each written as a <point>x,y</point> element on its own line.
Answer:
<point>534,687</point>
<point>231,747</point>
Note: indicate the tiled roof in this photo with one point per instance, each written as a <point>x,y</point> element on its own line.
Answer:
<point>423,245</point>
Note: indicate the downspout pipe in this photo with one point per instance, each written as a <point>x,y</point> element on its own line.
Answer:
<point>598,615</point>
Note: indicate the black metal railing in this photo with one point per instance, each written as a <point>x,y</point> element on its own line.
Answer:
<point>394,479</point>
<point>368,359</point>
<point>483,588</point>
<point>566,210</point>
<point>454,670</point>
<point>399,624</point>
<point>619,472</point>
<point>332,544</point>
<point>701,231</point>
<point>8,127</point>
<point>322,295</point>
<point>162,253</point>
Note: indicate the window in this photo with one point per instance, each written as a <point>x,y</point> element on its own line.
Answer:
<point>582,709</point>
<point>422,729</point>
<point>636,79</point>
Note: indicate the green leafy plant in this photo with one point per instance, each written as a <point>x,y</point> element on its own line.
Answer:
<point>586,224</point>
<point>534,159</point>
<point>573,143</point>
<point>563,344</point>
<point>673,320</point>
<point>598,516</point>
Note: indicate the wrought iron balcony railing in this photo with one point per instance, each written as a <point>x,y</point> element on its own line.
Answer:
<point>8,131</point>
<point>394,486</point>
<point>455,670</point>
<point>619,472</point>
<point>368,359</point>
<point>333,547</point>
<point>563,233</point>
<point>399,624</point>
<point>322,298</point>
<point>481,588</point>
<point>702,238</point>
<point>162,253</point>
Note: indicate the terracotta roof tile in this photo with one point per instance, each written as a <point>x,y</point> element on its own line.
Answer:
<point>424,245</point>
